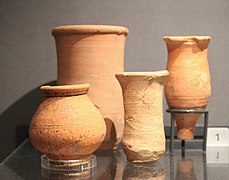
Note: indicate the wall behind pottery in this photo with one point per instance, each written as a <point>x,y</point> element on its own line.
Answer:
<point>28,57</point>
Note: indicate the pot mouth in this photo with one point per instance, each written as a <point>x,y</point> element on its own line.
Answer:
<point>89,29</point>
<point>65,90</point>
<point>186,38</point>
<point>153,74</point>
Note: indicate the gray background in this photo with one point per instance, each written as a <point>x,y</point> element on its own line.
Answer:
<point>28,55</point>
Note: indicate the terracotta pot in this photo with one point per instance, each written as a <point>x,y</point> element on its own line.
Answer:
<point>67,125</point>
<point>188,85</point>
<point>144,138</point>
<point>92,54</point>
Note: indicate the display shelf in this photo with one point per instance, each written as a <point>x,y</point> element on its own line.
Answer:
<point>25,163</point>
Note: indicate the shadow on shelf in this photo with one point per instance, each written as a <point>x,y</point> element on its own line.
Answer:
<point>15,120</point>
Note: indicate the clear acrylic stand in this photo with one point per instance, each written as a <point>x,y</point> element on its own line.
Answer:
<point>81,168</point>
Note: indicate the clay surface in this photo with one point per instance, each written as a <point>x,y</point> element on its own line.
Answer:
<point>67,125</point>
<point>144,138</point>
<point>188,84</point>
<point>93,54</point>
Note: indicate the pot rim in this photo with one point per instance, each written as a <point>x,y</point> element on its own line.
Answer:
<point>186,38</point>
<point>155,74</point>
<point>65,90</point>
<point>89,29</point>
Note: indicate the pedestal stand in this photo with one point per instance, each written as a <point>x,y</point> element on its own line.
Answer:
<point>173,113</point>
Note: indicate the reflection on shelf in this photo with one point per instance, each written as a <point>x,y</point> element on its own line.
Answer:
<point>185,170</point>
<point>110,165</point>
<point>150,170</point>
<point>188,165</point>
<point>217,155</point>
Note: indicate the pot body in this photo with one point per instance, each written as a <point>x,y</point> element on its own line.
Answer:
<point>92,54</point>
<point>67,125</point>
<point>144,138</point>
<point>188,85</point>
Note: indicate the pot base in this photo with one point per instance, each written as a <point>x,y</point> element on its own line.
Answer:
<point>81,166</point>
<point>186,125</point>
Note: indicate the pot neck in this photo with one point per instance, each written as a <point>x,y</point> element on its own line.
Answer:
<point>174,42</point>
<point>89,29</point>
<point>65,90</point>
<point>186,39</point>
<point>142,75</point>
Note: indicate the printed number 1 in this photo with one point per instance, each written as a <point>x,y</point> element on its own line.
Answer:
<point>217,156</point>
<point>217,135</point>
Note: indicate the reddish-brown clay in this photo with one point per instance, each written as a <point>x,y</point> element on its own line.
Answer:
<point>144,138</point>
<point>185,169</point>
<point>67,125</point>
<point>188,85</point>
<point>93,54</point>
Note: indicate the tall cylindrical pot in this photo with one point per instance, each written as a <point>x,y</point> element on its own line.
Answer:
<point>144,138</point>
<point>92,54</point>
<point>188,85</point>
